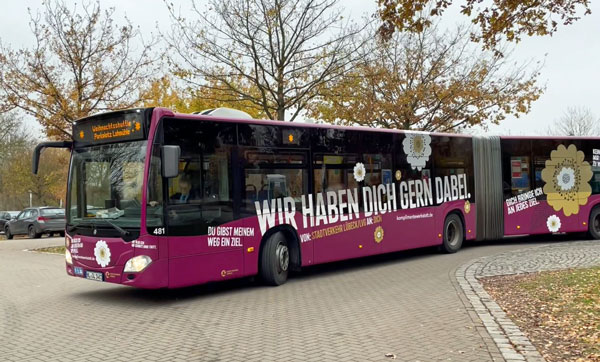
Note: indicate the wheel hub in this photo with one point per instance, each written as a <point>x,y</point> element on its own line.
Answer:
<point>451,233</point>
<point>283,257</point>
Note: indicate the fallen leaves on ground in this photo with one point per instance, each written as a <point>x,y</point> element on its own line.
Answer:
<point>559,311</point>
<point>51,250</point>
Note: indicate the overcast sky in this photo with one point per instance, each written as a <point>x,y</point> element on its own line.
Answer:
<point>571,72</point>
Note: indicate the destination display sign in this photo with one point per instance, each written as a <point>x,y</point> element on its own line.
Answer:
<point>110,127</point>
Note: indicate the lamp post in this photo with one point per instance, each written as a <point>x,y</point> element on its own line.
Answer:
<point>30,198</point>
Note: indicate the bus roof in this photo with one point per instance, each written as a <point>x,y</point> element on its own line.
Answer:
<point>305,125</point>
<point>168,112</point>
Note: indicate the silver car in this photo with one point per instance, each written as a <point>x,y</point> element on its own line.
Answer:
<point>36,221</point>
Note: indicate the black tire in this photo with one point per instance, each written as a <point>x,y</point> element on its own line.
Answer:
<point>8,233</point>
<point>275,260</point>
<point>594,224</point>
<point>31,232</point>
<point>453,234</point>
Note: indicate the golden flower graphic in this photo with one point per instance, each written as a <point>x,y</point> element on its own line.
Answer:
<point>467,207</point>
<point>567,178</point>
<point>378,234</point>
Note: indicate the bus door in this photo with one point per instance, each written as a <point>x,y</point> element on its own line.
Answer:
<point>517,187</point>
<point>333,238</point>
<point>199,205</point>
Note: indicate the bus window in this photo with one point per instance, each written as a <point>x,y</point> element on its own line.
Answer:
<point>154,202</point>
<point>269,176</point>
<point>541,151</point>
<point>272,136</point>
<point>378,168</point>
<point>334,172</point>
<point>519,174</point>
<point>591,150</point>
<point>452,156</point>
<point>201,195</point>
<point>516,167</point>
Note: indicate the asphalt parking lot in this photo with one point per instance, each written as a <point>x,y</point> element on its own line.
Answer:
<point>407,304</point>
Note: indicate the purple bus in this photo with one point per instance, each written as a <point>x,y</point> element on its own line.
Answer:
<point>157,199</point>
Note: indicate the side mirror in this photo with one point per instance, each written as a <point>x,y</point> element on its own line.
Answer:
<point>38,149</point>
<point>170,161</point>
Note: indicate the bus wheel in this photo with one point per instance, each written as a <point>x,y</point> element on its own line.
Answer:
<point>594,223</point>
<point>275,260</point>
<point>453,234</point>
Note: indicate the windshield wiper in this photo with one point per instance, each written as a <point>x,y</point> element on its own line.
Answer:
<point>121,231</point>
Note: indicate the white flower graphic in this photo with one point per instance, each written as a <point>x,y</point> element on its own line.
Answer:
<point>553,223</point>
<point>102,253</point>
<point>417,148</point>
<point>566,178</point>
<point>359,172</point>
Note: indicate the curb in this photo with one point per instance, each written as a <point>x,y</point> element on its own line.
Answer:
<point>510,340</point>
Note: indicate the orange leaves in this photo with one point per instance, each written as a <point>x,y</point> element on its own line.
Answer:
<point>559,311</point>
<point>428,81</point>
<point>500,20</point>
<point>164,93</point>
<point>81,64</point>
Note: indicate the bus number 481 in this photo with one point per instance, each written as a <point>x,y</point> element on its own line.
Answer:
<point>159,231</point>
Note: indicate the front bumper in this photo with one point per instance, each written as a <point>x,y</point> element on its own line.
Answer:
<point>154,276</point>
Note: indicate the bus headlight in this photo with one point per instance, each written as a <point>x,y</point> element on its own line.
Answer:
<point>137,264</point>
<point>68,257</point>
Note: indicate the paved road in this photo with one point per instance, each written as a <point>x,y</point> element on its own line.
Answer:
<point>407,304</point>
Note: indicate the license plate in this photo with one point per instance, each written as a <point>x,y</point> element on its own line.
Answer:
<point>78,271</point>
<point>94,276</point>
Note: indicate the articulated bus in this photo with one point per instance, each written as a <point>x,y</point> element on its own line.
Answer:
<point>158,199</point>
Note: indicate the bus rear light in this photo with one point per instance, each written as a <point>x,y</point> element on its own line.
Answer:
<point>137,264</point>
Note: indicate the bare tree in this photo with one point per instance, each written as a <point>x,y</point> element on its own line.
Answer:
<point>576,121</point>
<point>81,63</point>
<point>272,53</point>
<point>433,80</point>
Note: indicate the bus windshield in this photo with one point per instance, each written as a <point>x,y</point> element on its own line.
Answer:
<point>105,185</point>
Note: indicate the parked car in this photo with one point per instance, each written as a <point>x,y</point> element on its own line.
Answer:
<point>6,216</point>
<point>35,221</point>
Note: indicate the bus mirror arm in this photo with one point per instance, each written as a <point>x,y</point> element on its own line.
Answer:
<point>41,146</point>
<point>170,161</point>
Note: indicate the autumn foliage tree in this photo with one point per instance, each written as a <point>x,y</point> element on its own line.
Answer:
<point>273,54</point>
<point>81,63</point>
<point>429,81</point>
<point>167,92</point>
<point>48,187</point>
<point>494,22</point>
